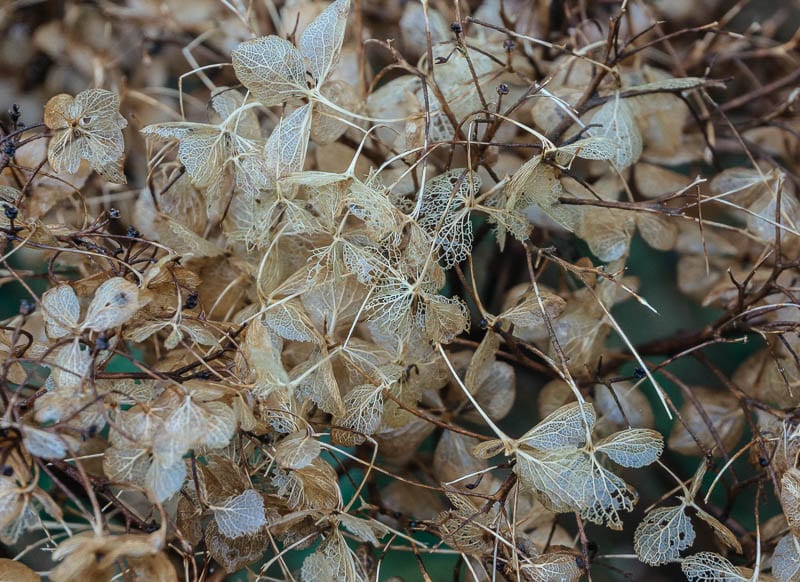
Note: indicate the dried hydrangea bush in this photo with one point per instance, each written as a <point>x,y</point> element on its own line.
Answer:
<point>336,290</point>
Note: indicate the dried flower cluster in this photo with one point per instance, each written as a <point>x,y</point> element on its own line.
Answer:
<point>294,273</point>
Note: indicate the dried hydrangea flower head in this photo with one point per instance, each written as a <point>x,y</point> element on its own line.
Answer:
<point>360,302</point>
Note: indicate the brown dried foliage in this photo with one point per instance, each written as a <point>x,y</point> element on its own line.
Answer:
<point>293,271</point>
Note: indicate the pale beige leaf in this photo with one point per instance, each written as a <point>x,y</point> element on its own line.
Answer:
<point>12,500</point>
<point>561,566</point>
<point>314,379</point>
<point>227,103</point>
<point>86,127</point>
<point>43,443</point>
<point>233,555</point>
<point>126,464</point>
<point>315,486</point>
<point>329,124</point>
<point>567,426</point>
<point>496,392</point>
<point>272,68</point>
<point>317,566</point>
<point>761,218</point>
<point>653,181</point>
<point>607,231</point>
<point>605,495</point>
<point>114,303</point>
<point>202,149</point>
<point>297,450</point>
<point>671,84</point>
<point>659,232</point>
<point>663,534</point>
<point>488,449</point>
<point>632,447</point>
<point>241,515</point>
<point>522,307</point>
<point>321,41</point>
<point>220,425</point>
<point>741,186</point>
<point>481,360</point>
<point>726,417</point>
<point>557,477</point>
<point>445,213</point>
<point>367,530</point>
<point>463,526</point>
<point>163,481</point>
<point>285,150</point>
<point>616,122</point>
<point>413,28</point>
<point>333,560</point>
<point>589,148</point>
<point>452,460</point>
<point>442,318</point>
<point>790,498</point>
<point>786,559</point>
<point>536,182</point>
<point>630,406</point>
<point>363,406</point>
<point>711,567</point>
<point>61,311</point>
<point>71,366</point>
<point>289,321</point>
<point>186,422</point>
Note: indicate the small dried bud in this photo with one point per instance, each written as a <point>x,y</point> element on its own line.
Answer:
<point>456,27</point>
<point>132,232</point>
<point>502,89</point>
<point>114,213</point>
<point>509,45</point>
<point>154,47</point>
<point>10,211</point>
<point>26,307</point>
<point>191,301</point>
